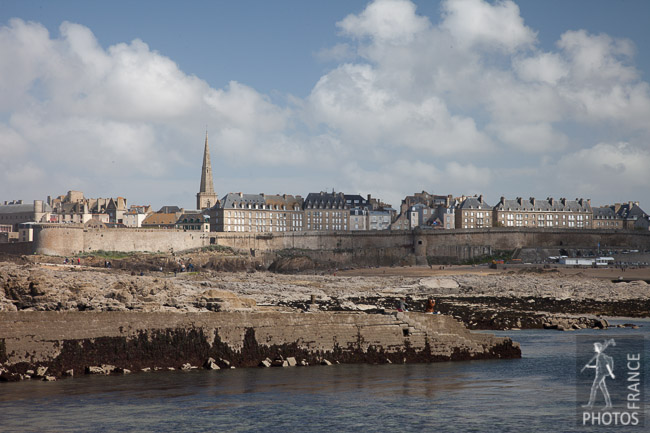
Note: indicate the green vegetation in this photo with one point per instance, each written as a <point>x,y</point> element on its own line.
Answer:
<point>114,255</point>
<point>497,255</point>
<point>218,249</point>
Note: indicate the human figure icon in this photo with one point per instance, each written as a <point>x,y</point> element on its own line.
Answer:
<point>604,366</point>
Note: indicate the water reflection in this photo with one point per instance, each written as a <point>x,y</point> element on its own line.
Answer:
<point>536,393</point>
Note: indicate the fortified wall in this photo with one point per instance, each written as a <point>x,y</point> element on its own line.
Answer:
<point>62,341</point>
<point>375,247</point>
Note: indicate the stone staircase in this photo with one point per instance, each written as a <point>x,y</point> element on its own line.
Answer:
<point>444,334</point>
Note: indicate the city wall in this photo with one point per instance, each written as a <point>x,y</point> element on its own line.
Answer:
<point>378,247</point>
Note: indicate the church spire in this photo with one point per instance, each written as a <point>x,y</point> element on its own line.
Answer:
<point>206,197</point>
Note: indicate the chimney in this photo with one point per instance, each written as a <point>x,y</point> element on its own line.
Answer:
<point>617,207</point>
<point>580,202</point>
<point>563,201</point>
<point>519,200</point>
<point>503,200</point>
<point>532,200</point>
<point>551,200</point>
<point>480,198</point>
<point>241,195</point>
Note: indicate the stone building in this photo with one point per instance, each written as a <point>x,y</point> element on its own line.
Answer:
<point>75,208</point>
<point>135,216</point>
<point>326,211</point>
<point>473,212</point>
<point>359,219</point>
<point>206,197</point>
<point>194,221</point>
<point>626,216</point>
<point>379,219</point>
<point>431,201</point>
<point>549,213</point>
<point>161,220</point>
<point>16,212</point>
<point>257,213</point>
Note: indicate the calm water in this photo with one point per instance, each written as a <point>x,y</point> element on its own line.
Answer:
<point>536,393</point>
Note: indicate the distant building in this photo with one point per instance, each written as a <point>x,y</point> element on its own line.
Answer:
<point>326,211</point>
<point>619,216</point>
<point>161,220</point>
<point>257,213</point>
<point>547,213</point>
<point>194,221</point>
<point>16,212</point>
<point>359,219</point>
<point>379,219</point>
<point>136,215</point>
<point>75,208</point>
<point>473,212</point>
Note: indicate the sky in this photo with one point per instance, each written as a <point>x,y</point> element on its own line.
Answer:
<point>390,97</point>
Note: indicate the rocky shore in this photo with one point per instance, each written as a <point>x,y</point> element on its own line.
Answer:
<point>494,301</point>
<point>505,300</point>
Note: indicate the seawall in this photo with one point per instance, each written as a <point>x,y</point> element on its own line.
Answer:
<point>380,248</point>
<point>63,341</point>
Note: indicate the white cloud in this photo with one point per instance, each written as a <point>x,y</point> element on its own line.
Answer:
<point>387,21</point>
<point>469,105</point>
<point>476,23</point>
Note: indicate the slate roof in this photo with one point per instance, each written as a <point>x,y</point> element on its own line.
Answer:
<point>326,200</point>
<point>473,203</point>
<point>604,212</point>
<point>271,201</point>
<point>548,205</point>
<point>21,208</point>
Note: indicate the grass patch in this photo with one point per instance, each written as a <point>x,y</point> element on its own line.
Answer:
<point>498,255</point>
<point>107,254</point>
<point>219,249</point>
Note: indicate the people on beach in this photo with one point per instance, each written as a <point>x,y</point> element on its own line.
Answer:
<point>402,305</point>
<point>431,306</point>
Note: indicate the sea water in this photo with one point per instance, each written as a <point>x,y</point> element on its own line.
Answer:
<point>535,393</point>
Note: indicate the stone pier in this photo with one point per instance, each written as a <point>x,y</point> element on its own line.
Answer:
<point>64,341</point>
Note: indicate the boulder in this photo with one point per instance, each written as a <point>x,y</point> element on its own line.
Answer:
<point>265,363</point>
<point>325,362</point>
<point>291,361</point>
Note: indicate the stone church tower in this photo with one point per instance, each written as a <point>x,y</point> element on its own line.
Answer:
<point>206,198</point>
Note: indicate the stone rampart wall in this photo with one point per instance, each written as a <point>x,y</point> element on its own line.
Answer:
<point>17,248</point>
<point>459,244</point>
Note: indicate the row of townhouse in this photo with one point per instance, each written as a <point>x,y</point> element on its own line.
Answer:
<point>471,212</point>
<point>324,211</point>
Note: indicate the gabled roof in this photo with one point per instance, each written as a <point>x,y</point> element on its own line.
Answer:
<point>604,212</point>
<point>326,200</point>
<point>160,219</point>
<point>170,209</point>
<point>474,203</point>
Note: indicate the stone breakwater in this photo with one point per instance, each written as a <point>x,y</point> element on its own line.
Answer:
<point>46,344</point>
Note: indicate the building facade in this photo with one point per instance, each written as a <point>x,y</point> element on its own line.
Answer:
<point>257,213</point>
<point>327,212</point>
<point>473,212</point>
